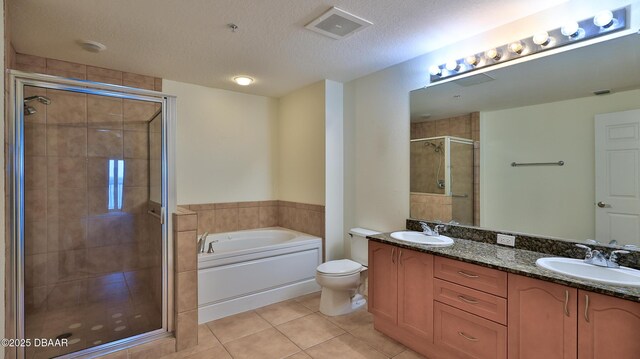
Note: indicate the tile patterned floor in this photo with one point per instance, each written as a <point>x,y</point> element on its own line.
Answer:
<point>294,329</point>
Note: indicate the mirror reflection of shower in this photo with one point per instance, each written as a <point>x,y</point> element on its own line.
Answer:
<point>30,110</point>
<point>439,150</point>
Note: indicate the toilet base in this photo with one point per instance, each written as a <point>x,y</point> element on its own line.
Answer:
<point>340,302</point>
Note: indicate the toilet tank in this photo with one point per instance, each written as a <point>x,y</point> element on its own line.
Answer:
<point>359,241</point>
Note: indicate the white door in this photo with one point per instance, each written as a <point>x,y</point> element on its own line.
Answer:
<point>617,204</point>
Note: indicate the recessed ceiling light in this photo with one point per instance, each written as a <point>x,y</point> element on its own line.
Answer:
<point>243,80</point>
<point>92,46</point>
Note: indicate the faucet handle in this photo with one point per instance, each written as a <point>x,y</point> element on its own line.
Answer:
<point>588,249</point>
<point>613,256</point>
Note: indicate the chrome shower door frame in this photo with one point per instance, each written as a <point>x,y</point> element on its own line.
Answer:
<point>15,309</point>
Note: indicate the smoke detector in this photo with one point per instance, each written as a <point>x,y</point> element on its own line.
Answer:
<point>92,46</point>
<point>337,24</point>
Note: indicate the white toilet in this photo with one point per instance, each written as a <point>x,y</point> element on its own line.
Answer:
<point>340,279</point>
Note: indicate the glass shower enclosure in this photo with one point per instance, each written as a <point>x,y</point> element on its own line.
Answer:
<point>89,237</point>
<point>442,178</point>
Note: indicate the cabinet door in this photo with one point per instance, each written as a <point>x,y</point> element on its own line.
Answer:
<point>415,293</point>
<point>608,327</point>
<point>383,281</point>
<point>542,319</point>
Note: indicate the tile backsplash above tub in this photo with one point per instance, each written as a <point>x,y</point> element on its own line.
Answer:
<point>235,216</point>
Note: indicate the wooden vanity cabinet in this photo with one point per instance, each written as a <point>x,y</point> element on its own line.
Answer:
<point>401,293</point>
<point>542,319</point>
<point>548,320</point>
<point>608,327</point>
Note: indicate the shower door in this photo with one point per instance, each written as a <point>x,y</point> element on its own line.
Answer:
<point>89,239</point>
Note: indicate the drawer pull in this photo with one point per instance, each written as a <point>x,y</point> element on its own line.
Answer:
<point>468,275</point>
<point>468,300</point>
<point>468,337</point>
<point>586,308</point>
<point>566,303</point>
<point>393,253</point>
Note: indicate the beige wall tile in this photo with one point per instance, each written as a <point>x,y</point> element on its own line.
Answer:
<point>64,266</point>
<point>35,236</point>
<point>248,218</point>
<point>138,81</point>
<point>185,222</point>
<point>104,112</point>
<point>136,173</point>
<point>65,141</point>
<point>226,205</point>
<point>138,111</point>
<point>66,233</point>
<point>66,172</point>
<point>226,220</point>
<point>206,221</point>
<point>186,291</point>
<point>105,143</point>
<point>66,108</point>
<point>186,257</point>
<point>35,172</point>
<point>35,203</point>
<point>98,74</point>
<point>187,330</point>
<point>66,202</point>
<point>30,63</point>
<point>35,138</point>
<point>268,216</point>
<point>35,270</point>
<point>136,144</point>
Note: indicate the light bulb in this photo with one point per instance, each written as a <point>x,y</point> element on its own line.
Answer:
<point>243,80</point>
<point>570,29</point>
<point>471,60</point>
<point>541,38</point>
<point>493,54</point>
<point>452,65</point>
<point>435,70</point>
<point>516,47</point>
<point>604,19</point>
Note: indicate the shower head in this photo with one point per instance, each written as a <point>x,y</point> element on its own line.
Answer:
<point>28,110</point>
<point>41,99</point>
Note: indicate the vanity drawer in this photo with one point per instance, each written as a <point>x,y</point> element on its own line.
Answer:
<point>480,303</point>
<point>466,335</point>
<point>473,276</point>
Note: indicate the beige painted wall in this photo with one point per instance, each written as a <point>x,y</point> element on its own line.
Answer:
<point>334,170</point>
<point>376,118</point>
<point>301,145</point>
<point>226,145</point>
<point>552,201</point>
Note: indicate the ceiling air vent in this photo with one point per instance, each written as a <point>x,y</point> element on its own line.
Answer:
<point>337,24</point>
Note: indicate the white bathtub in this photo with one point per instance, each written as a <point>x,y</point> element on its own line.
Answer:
<point>254,268</point>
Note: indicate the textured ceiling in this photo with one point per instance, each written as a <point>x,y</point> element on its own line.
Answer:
<point>189,40</point>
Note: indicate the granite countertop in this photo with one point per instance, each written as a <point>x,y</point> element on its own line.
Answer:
<point>512,260</point>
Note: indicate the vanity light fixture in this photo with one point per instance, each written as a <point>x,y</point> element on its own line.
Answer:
<point>571,29</point>
<point>435,70</point>
<point>541,38</point>
<point>493,54</point>
<point>243,80</point>
<point>452,65</point>
<point>516,47</point>
<point>472,60</point>
<point>603,19</point>
<point>571,32</point>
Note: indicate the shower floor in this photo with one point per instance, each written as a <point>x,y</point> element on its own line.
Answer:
<point>114,311</point>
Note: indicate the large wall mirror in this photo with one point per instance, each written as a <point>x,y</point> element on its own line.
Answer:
<point>546,147</point>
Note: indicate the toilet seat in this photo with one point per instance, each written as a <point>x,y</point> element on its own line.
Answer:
<point>340,267</point>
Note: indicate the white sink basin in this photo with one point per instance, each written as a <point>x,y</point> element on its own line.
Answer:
<point>421,238</point>
<point>577,268</point>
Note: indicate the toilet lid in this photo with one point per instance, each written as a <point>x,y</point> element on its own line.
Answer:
<point>339,267</point>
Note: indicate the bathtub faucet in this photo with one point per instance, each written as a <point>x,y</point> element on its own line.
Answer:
<point>202,241</point>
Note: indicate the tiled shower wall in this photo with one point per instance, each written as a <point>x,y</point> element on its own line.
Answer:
<point>227,217</point>
<point>465,126</point>
<point>77,252</point>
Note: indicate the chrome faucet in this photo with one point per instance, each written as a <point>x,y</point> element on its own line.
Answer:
<point>202,241</point>
<point>597,258</point>
<point>426,230</point>
<point>438,228</point>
